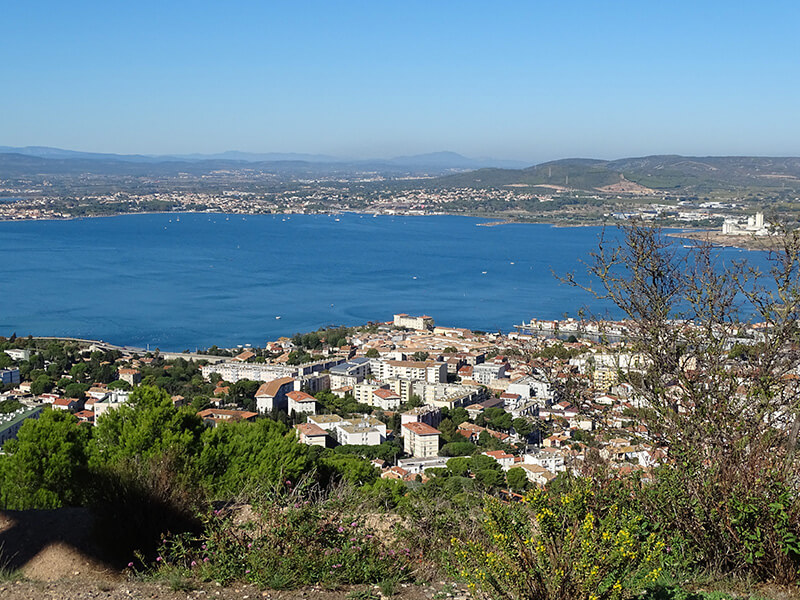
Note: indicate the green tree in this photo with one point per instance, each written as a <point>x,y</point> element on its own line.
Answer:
<point>79,371</point>
<point>497,418</point>
<point>42,384</point>
<point>459,415</point>
<point>248,457</point>
<point>372,353</point>
<point>517,480</point>
<point>522,426</point>
<point>46,466</point>
<point>76,390</point>
<point>448,430</point>
<point>490,478</point>
<point>459,467</point>
<point>353,469</point>
<point>458,449</point>
<point>149,426</point>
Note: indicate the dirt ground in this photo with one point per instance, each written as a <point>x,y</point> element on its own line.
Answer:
<point>78,588</point>
<point>51,555</point>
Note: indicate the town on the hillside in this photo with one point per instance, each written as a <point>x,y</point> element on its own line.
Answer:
<point>408,394</point>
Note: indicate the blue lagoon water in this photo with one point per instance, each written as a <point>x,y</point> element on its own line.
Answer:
<point>192,280</point>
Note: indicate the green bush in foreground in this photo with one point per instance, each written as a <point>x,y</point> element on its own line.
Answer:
<point>560,546</point>
<point>286,547</point>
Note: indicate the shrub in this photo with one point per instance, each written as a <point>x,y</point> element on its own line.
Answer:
<point>560,546</point>
<point>286,547</point>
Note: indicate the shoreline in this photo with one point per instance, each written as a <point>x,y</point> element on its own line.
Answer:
<point>489,221</point>
<point>720,240</point>
<point>714,237</point>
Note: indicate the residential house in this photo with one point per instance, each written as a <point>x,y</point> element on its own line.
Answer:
<point>505,459</point>
<point>536,474</point>
<point>71,404</point>
<point>132,376</point>
<point>312,435</point>
<point>214,416</point>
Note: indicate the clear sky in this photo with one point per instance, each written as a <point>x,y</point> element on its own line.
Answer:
<point>528,80</point>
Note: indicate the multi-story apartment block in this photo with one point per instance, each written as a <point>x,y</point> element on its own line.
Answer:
<point>349,373</point>
<point>420,440</point>
<point>273,395</point>
<point>429,370</point>
<point>420,323</point>
<point>233,371</point>
<point>301,403</point>
<point>430,415</point>
<point>362,392</point>
<point>132,376</point>
<point>9,377</point>
<point>487,373</point>
<point>385,399</point>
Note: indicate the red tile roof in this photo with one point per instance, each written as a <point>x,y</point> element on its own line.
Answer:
<point>421,428</point>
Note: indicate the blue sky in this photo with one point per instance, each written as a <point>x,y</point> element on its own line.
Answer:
<point>525,80</point>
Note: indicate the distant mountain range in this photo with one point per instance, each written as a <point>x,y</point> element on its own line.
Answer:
<point>691,175</point>
<point>437,161</point>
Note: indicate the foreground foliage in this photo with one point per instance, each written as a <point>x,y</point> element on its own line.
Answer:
<point>286,546</point>
<point>568,545</point>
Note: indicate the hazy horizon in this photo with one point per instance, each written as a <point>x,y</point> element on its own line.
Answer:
<point>386,158</point>
<point>518,81</point>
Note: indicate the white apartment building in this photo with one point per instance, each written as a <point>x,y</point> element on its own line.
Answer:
<point>349,373</point>
<point>529,387</point>
<point>430,415</point>
<point>233,371</point>
<point>429,371</point>
<point>362,392</point>
<point>236,371</point>
<point>487,373</point>
<point>365,430</point>
<point>385,399</point>
<point>420,440</point>
<point>417,465</point>
<point>19,353</point>
<point>421,323</point>
<point>449,395</point>
<point>326,422</point>
<point>549,458</point>
<point>273,395</point>
<point>301,402</point>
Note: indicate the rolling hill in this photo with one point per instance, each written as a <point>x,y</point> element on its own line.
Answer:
<point>658,173</point>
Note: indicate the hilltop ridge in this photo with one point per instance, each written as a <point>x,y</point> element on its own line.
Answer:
<point>655,173</point>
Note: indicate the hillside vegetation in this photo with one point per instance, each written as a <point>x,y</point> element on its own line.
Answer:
<point>666,173</point>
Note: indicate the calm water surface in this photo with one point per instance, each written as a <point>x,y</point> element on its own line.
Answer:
<point>192,280</point>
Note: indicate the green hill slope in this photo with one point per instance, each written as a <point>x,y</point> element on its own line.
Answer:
<point>670,172</point>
